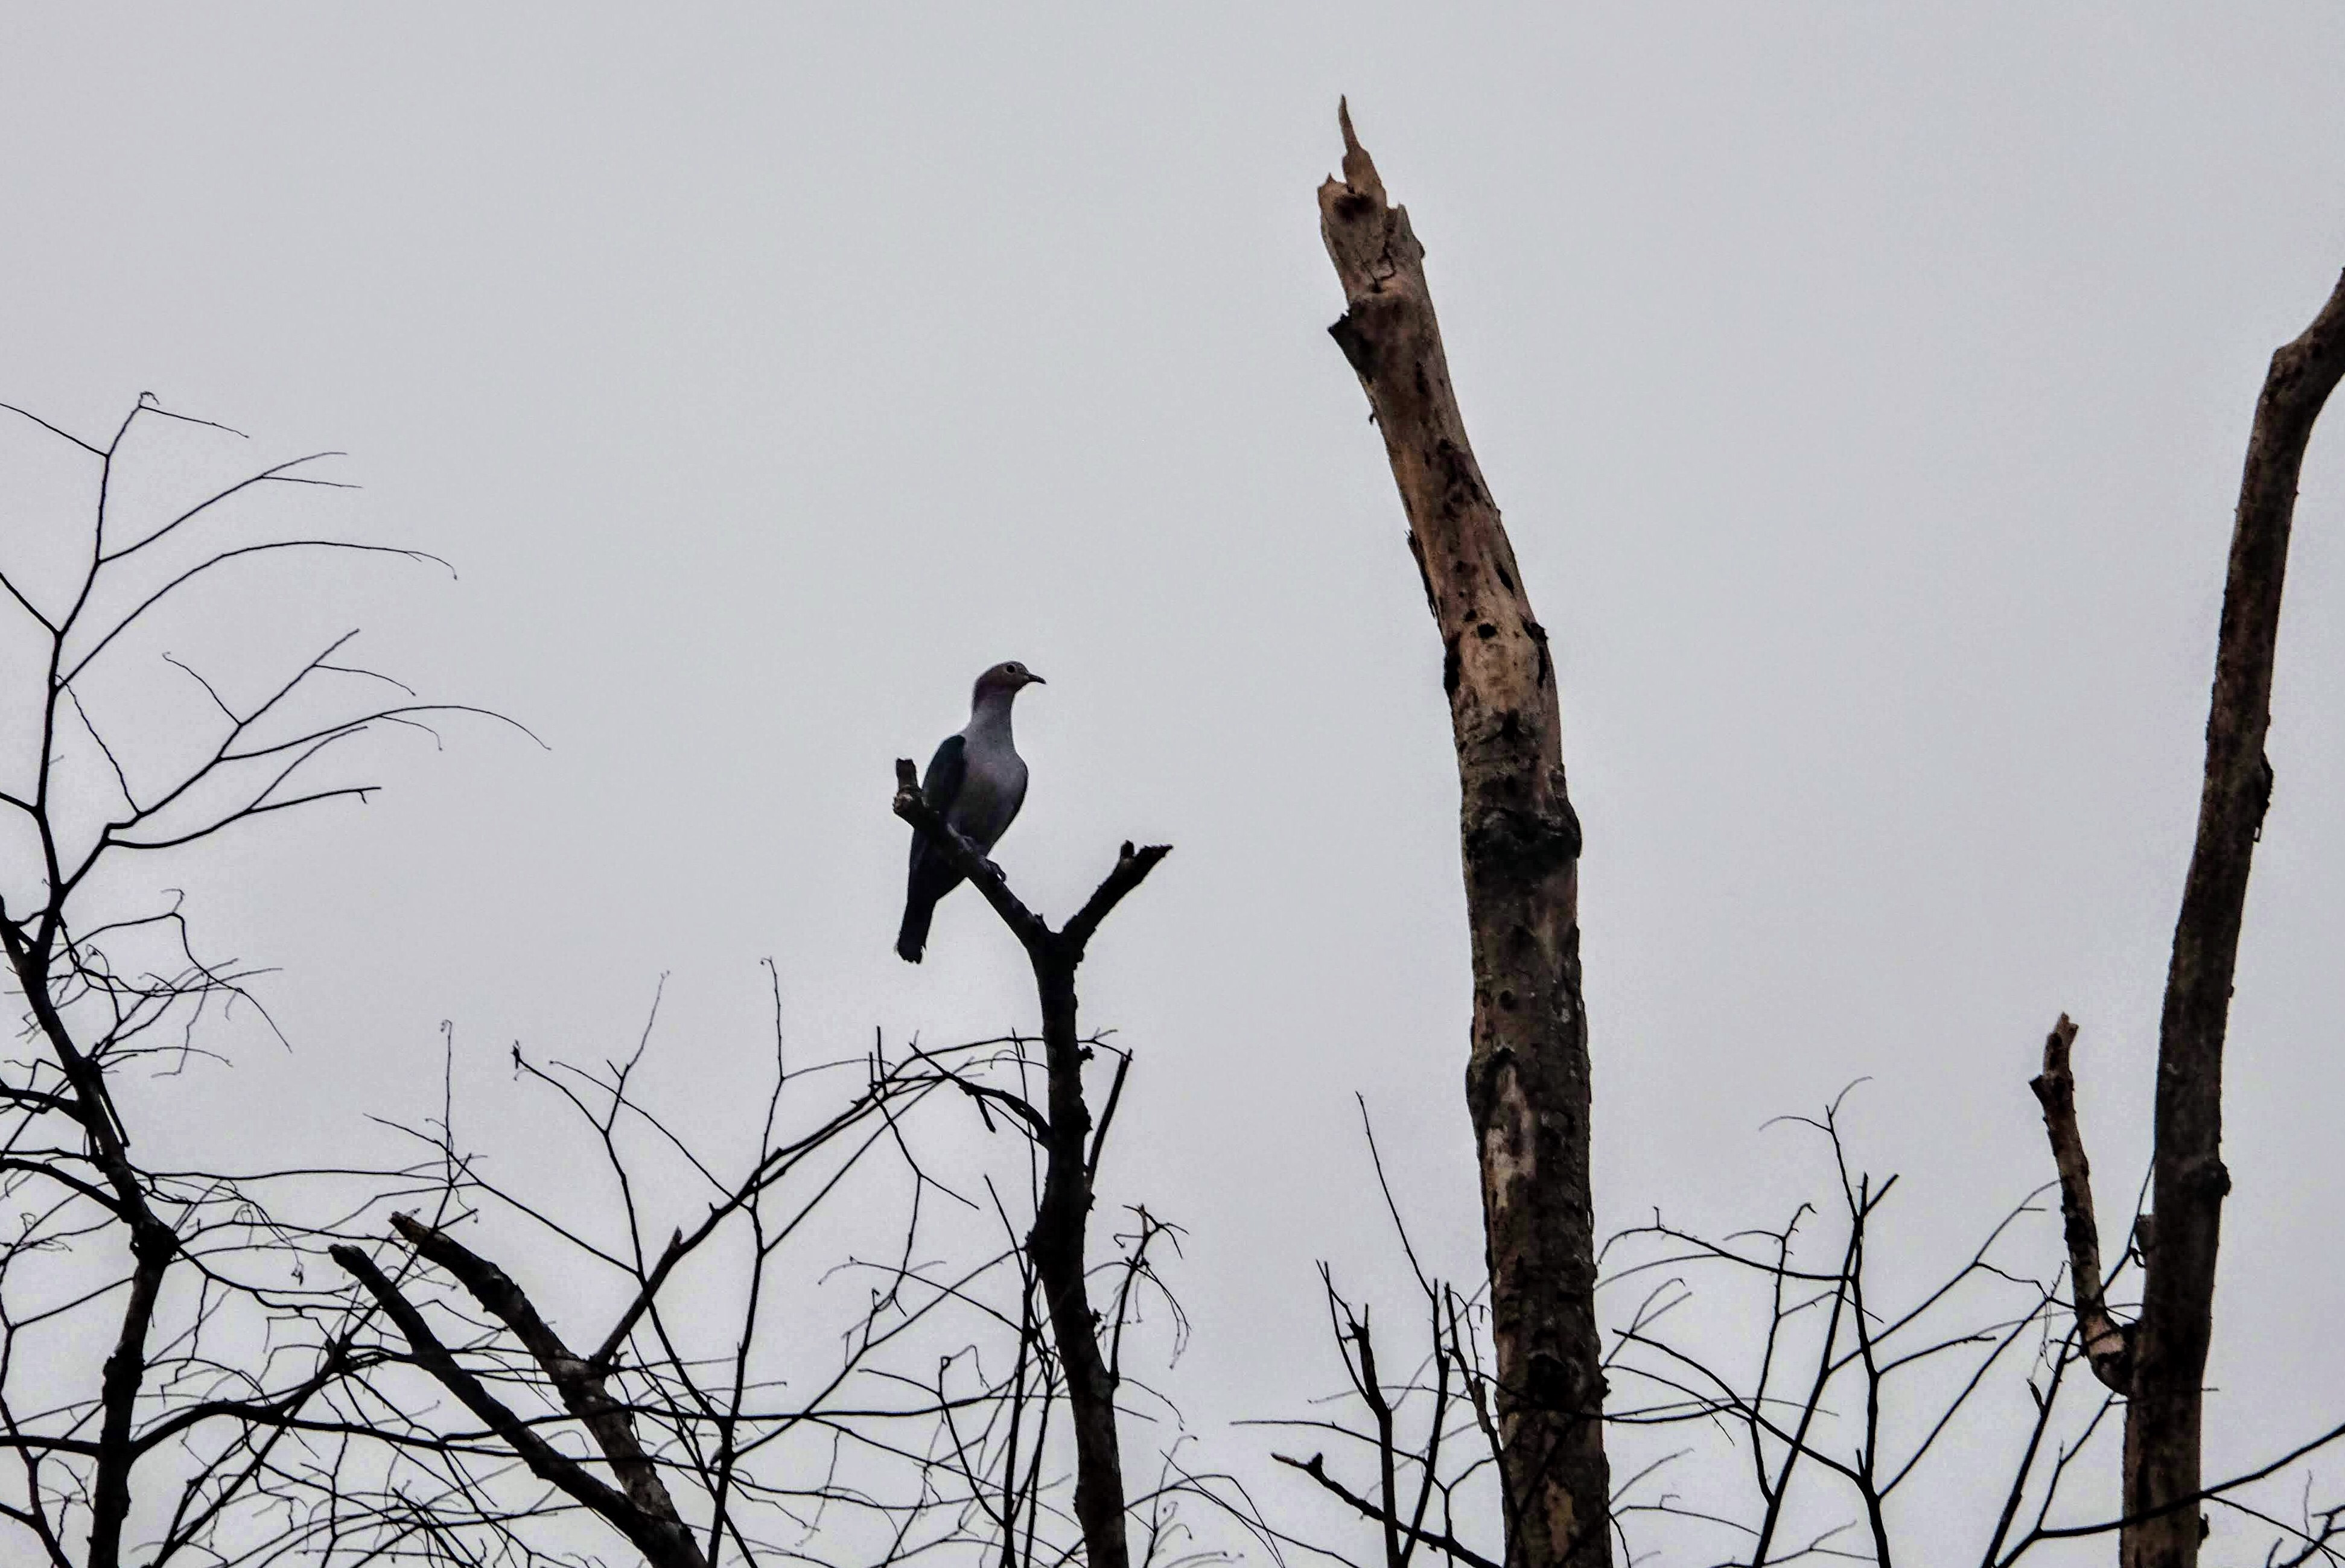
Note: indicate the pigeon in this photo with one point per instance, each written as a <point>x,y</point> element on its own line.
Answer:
<point>976,782</point>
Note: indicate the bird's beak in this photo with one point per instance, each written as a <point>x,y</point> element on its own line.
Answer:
<point>1034,680</point>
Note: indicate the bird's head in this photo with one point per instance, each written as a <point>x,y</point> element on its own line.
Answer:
<point>1005,680</point>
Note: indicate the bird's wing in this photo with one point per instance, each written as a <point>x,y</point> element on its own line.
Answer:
<point>942,784</point>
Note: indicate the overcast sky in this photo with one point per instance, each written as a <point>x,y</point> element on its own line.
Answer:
<point>1865,390</point>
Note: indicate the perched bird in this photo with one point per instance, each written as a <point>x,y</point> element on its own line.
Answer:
<point>976,782</point>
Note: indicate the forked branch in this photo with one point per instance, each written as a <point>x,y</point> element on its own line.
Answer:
<point>1056,1246</point>
<point>664,1543</point>
<point>582,1384</point>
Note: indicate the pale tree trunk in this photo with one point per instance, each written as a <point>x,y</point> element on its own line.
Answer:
<point>1526,1082</point>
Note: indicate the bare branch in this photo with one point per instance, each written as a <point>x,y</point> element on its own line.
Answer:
<point>278,474</point>
<point>1131,868</point>
<point>222,559</point>
<point>2107,1347</point>
<point>580,1383</point>
<point>666,1543</point>
<point>1448,1545</point>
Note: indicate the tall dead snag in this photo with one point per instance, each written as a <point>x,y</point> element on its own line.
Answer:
<point>2188,1180</point>
<point>1057,1243</point>
<point>1526,1083</point>
<point>2162,1375</point>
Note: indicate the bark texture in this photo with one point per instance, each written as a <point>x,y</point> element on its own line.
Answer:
<point>2187,1181</point>
<point>1526,1083</point>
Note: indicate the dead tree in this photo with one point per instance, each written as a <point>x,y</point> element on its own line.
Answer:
<point>727,1406</point>
<point>695,1427</point>
<point>1526,1082</point>
<point>2159,1360</point>
<point>1057,1243</point>
<point>1775,1403</point>
<point>1855,1391</point>
<point>204,1283</point>
<point>381,1361</point>
<point>704,1439</point>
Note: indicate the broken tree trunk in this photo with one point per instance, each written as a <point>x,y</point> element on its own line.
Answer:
<point>1526,1082</point>
<point>2188,1180</point>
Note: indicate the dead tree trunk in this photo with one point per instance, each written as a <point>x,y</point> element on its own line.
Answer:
<point>1526,1083</point>
<point>1058,1243</point>
<point>2162,1368</point>
<point>2188,1180</point>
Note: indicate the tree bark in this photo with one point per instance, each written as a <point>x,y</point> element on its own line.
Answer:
<point>2187,1181</point>
<point>2108,1348</point>
<point>1526,1083</point>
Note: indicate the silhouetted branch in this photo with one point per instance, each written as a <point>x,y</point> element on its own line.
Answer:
<point>217,1368</point>
<point>1057,1243</point>
<point>2107,1347</point>
<point>1447,1545</point>
<point>664,1542</point>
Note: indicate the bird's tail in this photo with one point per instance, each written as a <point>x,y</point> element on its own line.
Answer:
<point>912,939</point>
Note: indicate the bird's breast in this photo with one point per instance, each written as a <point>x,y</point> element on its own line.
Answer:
<point>991,792</point>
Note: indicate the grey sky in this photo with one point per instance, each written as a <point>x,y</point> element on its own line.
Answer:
<point>1866,391</point>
